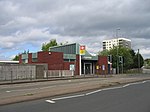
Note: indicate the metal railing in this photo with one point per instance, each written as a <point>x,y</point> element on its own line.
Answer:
<point>58,73</point>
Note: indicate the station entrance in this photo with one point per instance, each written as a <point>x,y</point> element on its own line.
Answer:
<point>88,67</point>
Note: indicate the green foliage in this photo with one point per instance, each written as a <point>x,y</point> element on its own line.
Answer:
<point>26,52</point>
<point>46,46</point>
<point>63,43</point>
<point>138,58</point>
<point>16,58</point>
<point>147,62</point>
<point>130,58</point>
<point>125,53</point>
<point>104,53</point>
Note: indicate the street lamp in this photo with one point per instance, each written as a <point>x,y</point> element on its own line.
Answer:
<point>117,31</point>
<point>121,62</point>
<point>138,61</point>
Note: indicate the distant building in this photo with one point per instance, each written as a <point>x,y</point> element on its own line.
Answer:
<point>109,44</point>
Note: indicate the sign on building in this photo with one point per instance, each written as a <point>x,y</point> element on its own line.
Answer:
<point>82,50</point>
<point>72,67</point>
<point>103,67</point>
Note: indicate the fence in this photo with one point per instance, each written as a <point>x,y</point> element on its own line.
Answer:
<point>17,72</point>
<point>58,73</point>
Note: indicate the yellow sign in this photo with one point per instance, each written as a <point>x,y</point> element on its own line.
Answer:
<point>82,50</point>
<point>97,67</point>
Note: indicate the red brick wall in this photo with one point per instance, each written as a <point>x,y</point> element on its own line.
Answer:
<point>20,59</point>
<point>54,60</point>
<point>67,65</point>
<point>102,61</point>
<point>30,58</point>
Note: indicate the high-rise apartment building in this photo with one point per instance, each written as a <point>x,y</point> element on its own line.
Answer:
<point>109,44</point>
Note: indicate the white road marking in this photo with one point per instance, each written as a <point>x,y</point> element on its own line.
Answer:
<point>93,92</point>
<point>50,101</point>
<point>111,88</point>
<point>68,97</point>
<point>126,85</point>
<point>135,83</point>
<point>8,91</point>
<point>69,80</point>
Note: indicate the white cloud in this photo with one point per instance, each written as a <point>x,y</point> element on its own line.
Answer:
<point>30,23</point>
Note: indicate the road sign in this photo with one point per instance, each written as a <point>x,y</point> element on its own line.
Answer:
<point>82,50</point>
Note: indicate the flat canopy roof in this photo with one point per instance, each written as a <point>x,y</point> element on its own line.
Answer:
<point>7,61</point>
<point>66,49</point>
<point>70,50</point>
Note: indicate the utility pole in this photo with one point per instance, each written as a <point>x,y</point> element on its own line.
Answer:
<point>117,30</point>
<point>138,61</point>
<point>121,61</point>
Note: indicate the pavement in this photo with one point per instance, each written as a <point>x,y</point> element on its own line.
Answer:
<point>20,92</point>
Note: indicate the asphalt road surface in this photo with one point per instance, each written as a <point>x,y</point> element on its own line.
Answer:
<point>133,97</point>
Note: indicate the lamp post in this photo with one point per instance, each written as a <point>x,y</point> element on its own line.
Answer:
<point>121,61</point>
<point>138,61</point>
<point>117,31</point>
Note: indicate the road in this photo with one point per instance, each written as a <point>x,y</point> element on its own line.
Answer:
<point>133,97</point>
<point>28,91</point>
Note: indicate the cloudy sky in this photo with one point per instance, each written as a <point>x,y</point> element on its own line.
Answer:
<point>26,24</point>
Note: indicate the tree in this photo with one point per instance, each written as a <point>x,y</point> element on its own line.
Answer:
<point>46,46</point>
<point>147,62</point>
<point>26,52</point>
<point>130,58</point>
<point>104,53</point>
<point>16,58</point>
<point>125,54</point>
<point>138,60</point>
<point>122,52</point>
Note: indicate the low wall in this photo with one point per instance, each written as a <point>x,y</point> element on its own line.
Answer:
<point>30,71</point>
<point>58,73</point>
<point>22,71</point>
<point>16,72</point>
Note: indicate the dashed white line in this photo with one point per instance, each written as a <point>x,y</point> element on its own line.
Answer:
<point>8,91</point>
<point>93,92</point>
<point>126,85</point>
<point>68,97</point>
<point>50,101</point>
<point>111,88</point>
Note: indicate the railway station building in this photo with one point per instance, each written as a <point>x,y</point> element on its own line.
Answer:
<point>69,57</point>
